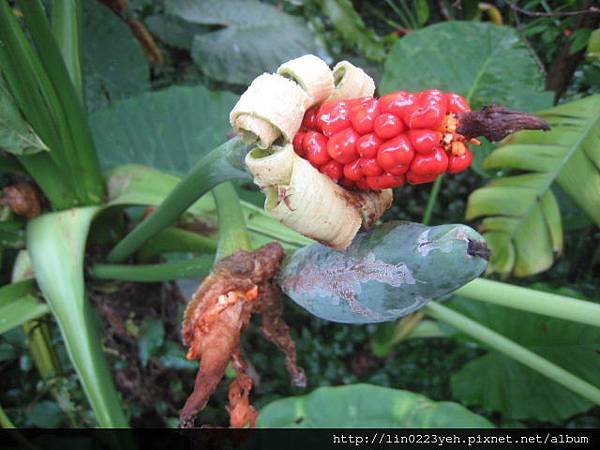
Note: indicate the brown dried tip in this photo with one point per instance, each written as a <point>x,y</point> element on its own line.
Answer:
<point>220,310</point>
<point>495,122</point>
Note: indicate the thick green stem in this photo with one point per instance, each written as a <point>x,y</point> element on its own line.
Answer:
<point>531,300</point>
<point>220,165</point>
<point>435,190</point>
<point>151,273</point>
<point>232,226</point>
<point>176,240</point>
<point>514,350</point>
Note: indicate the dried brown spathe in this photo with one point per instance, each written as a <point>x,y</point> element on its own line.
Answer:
<point>220,310</point>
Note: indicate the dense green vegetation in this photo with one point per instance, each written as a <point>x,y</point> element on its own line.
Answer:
<point>105,121</point>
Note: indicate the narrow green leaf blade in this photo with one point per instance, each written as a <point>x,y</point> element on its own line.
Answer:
<point>16,135</point>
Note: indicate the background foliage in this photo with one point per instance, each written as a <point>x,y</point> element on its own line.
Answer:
<point>166,115</point>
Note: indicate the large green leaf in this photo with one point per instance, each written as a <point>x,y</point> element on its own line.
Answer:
<point>522,220</point>
<point>499,383</point>
<point>56,244</point>
<point>386,273</point>
<point>18,304</point>
<point>115,67</point>
<point>254,38</point>
<point>484,62</point>
<point>169,129</point>
<point>16,135</point>
<point>364,405</point>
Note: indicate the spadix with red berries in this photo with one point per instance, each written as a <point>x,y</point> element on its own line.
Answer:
<point>383,143</point>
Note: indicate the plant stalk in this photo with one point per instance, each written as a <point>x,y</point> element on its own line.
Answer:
<point>435,190</point>
<point>224,163</point>
<point>151,273</point>
<point>514,351</point>
<point>531,300</point>
<point>233,234</point>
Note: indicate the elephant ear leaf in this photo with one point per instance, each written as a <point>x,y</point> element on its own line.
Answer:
<point>521,217</point>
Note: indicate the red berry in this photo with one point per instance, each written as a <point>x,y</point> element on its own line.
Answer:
<point>342,146</point>
<point>428,112</point>
<point>310,119</point>
<point>424,141</point>
<point>394,156</point>
<point>396,103</point>
<point>352,170</point>
<point>315,145</point>
<point>297,143</point>
<point>387,126</point>
<point>367,145</point>
<point>420,179</point>
<point>433,163</point>
<point>458,163</point>
<point>369,167</point>
<point>333,117</point>
<point>457,103</point>
<point>385,181</point>
<point>363,114</point>
<point>332,169</point>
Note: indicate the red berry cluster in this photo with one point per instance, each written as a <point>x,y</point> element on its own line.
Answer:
<point>368,143</point>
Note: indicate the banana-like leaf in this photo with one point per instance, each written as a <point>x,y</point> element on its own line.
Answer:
<point>56,244</point>
<point>18,304</point>
<point>522,221</point>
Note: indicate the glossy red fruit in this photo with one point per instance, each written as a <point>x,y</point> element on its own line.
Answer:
<point>333,170</point>
<point>427,115</point>
<point>420,179</point>
<point>394,156</point>
<point>387,126</point>
<point>342,146</point>
<point>363,114</point>
<point>333,117</point>
<point>297,143</point>
<point>310,119</point>
<point>315,146</point>
<point>433,163</point>
<point>458,163</point>
<point>397,103</point>
<point>369,167</point>
<point>352,171</point>
<point>457,103</point>
<point>424,141</point>
<point>367,145</point>
<point>385,181</point>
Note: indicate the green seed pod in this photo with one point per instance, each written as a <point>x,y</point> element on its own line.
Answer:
<point>386,273</point>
